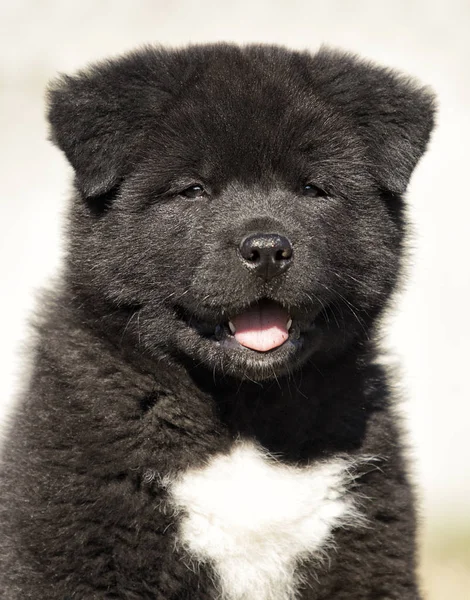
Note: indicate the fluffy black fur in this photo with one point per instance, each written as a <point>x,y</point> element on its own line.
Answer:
<point>134,368</point>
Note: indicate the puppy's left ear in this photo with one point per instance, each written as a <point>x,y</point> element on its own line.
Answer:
<point>393,114</point>
<point>99,116</point>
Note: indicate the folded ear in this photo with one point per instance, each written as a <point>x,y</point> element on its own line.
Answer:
<point>393,114</point>
<point>98,116</point>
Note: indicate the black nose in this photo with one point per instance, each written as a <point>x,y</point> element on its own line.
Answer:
<point>267,254</point>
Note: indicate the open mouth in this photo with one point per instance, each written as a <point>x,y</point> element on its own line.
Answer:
<point>262,327</point>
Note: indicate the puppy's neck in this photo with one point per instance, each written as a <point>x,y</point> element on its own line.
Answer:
<point>295,416</point>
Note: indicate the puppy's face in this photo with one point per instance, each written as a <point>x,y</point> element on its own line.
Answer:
<point>242,206</point>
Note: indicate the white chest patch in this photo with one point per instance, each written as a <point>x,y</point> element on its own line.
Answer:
<point>253,518</point>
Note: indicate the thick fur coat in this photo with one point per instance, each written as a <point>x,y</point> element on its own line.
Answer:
<point>205,417</point>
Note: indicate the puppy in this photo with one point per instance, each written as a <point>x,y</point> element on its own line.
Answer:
<point>205,417</point>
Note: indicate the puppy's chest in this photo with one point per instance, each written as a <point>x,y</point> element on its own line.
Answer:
<point>252,518</point>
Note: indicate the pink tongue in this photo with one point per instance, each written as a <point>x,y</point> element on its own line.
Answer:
<point>261,327</point>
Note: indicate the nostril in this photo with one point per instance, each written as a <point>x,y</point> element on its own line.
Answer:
<point>251,250</point>
<point>284,254</point>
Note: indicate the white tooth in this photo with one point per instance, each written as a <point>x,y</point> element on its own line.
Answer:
<point>289,323</point>
<point>231,327</point>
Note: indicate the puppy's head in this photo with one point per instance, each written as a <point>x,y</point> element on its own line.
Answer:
<point>242,205</point>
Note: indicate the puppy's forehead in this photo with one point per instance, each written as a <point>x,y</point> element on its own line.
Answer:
<point>229,94</point>
<point>253,117</point>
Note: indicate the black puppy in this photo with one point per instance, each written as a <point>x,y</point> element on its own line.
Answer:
<point>205,417</point>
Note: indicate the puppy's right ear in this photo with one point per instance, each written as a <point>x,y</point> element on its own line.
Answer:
<point>99,116</point>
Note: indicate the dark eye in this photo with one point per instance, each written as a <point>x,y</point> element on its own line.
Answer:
<point>193,191</point>
<point>313,191</point>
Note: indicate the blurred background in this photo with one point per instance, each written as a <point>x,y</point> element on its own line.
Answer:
<point>428,334</point>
